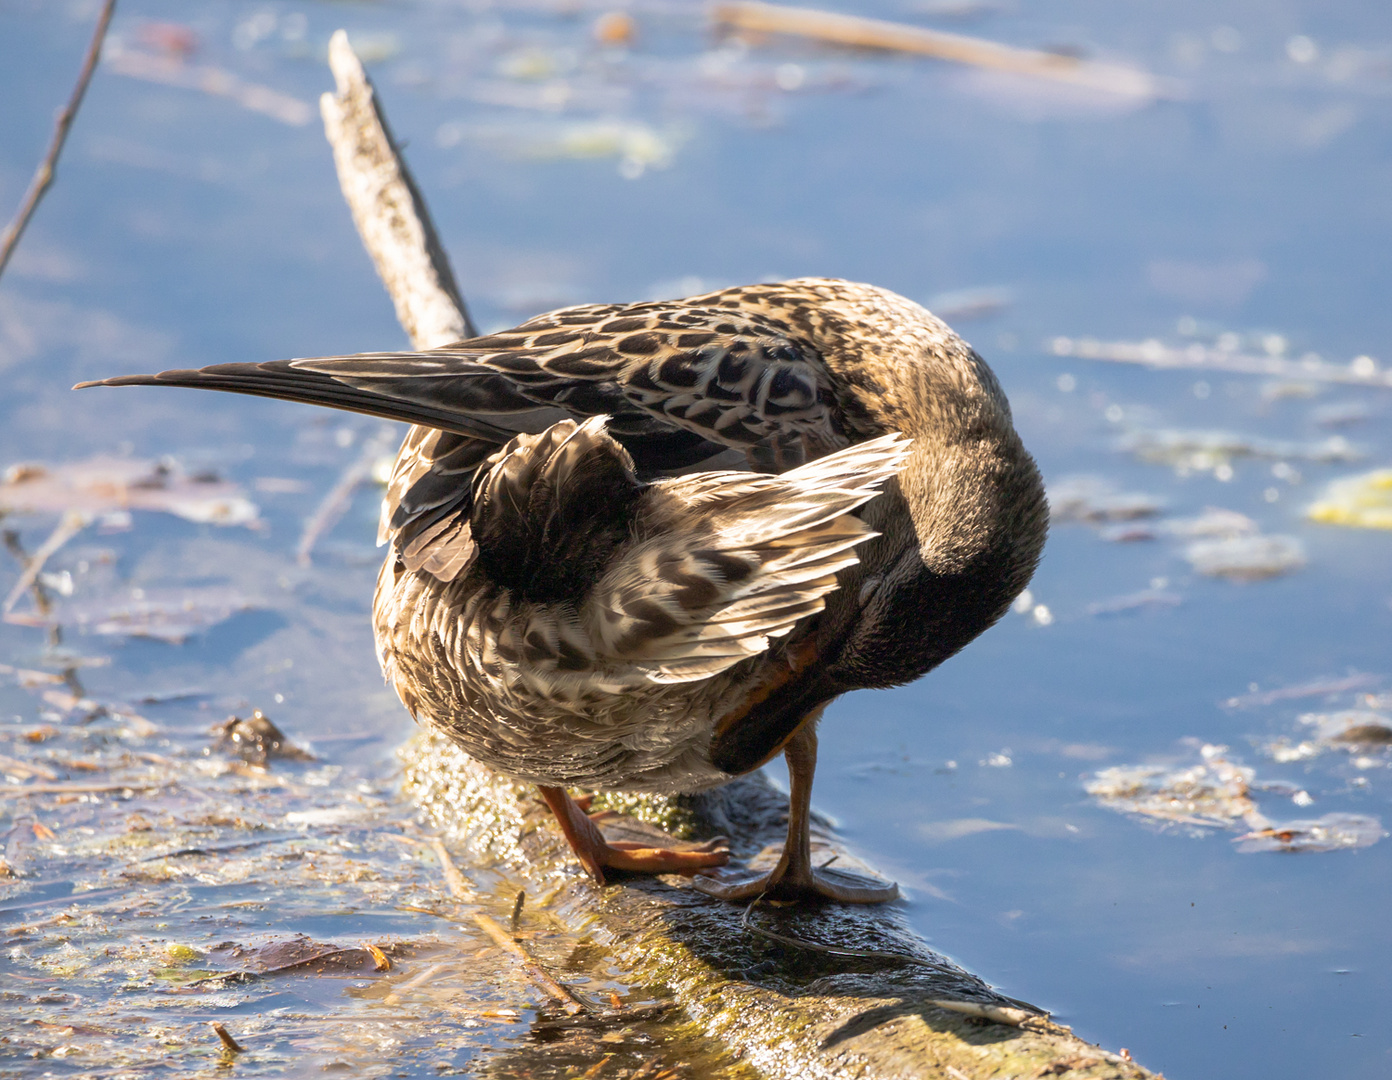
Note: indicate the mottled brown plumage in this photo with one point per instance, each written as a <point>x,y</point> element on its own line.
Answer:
<point>641,546</point>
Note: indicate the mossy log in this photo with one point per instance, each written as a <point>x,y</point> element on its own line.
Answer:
<point>786,1010</point>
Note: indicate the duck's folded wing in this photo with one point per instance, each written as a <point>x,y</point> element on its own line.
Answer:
<point>679,380</point>
<point>741,561</point>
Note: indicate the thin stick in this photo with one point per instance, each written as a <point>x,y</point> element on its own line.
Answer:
<point>554,990</point>
<point>75,789</point>
<point>227,1040</point>
<point>337,501</point>
<point>72,523</point>
<point>458,886</point>
<point>859,32</point>
<point>47,169</point>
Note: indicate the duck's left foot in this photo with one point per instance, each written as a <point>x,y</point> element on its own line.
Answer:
<point>595,852</point>
<point>812,883</point>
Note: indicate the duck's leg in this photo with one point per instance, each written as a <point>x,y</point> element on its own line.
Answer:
<point>795,878</point>
<point>595,852</point>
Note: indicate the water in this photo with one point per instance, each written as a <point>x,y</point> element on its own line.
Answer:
<point>187,229</point>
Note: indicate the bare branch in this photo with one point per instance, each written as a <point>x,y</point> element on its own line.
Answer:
<point>387,207</point>
<point>47,169</point>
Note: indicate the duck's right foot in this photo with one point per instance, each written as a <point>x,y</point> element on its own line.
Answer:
<point>595,852</point>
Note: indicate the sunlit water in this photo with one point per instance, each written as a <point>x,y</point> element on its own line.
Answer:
<point>186,229</point>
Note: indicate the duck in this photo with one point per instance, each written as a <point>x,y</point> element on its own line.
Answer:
<point>642,547</point>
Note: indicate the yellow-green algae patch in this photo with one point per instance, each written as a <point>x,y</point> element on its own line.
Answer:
<point>1362,502</point>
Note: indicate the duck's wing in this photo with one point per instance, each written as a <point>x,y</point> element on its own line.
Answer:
<point>680,381</point>
<point>739,561</point>
<point>614,585</point>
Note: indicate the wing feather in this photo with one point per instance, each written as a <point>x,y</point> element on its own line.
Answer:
<point>735,570</point>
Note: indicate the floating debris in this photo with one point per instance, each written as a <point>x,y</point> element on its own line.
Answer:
<point>1216,794</point>
<point>225,1037</point>
<point>615,28</point>
<point>256,740</point>
<point>1342,413</point>
<point>103,485</point>
<point>1136,601</point>
<point>1361,370</point>
<point>638,146</point>
<point>170,615</point>
<point>1213,451</point>
<point>1213,522</point>
<point>1246,558</point>
<point>1095,499</point>
<point>1353,729</point>
<point>862,33</point>
<point>1317,688</point>
<point>1361,502</point>
<point>171,70</point>
<point>300,955</point>
<point>1333,832</point>
<point>1356,731</point>
<point>964,305</point>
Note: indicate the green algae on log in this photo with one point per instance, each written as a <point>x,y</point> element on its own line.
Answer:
<point>787,1012</point>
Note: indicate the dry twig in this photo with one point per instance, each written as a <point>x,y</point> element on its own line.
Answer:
<point>458,886</point>
<point>337,501</point>
<point>47,169</point>
<point>859,32</point>
<point>558,993</point>
<point>72,523</point>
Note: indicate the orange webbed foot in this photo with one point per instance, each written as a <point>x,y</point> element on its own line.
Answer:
<point>595,852</point>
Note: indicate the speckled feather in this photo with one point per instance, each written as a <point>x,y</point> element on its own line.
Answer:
<point>574,610</point>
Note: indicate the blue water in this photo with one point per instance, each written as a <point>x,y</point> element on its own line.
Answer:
<point>185,229</point>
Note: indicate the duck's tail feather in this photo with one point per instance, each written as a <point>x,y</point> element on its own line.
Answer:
<point>450,394</point>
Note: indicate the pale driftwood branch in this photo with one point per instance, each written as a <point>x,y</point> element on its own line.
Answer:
<point>862,33</point>
<point>852,1012</point>
<point>47,169</point>
<point>388,209</point>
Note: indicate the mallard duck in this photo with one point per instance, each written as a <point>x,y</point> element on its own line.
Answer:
<point>640,547</point>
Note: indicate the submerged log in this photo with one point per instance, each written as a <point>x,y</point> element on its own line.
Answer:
<point>794,991</point>
<point>825,991</point>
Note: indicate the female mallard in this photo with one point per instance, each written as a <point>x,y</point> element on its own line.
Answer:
<point>574,606</point>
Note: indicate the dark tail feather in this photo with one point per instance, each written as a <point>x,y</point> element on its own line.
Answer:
<point>289,381</point>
